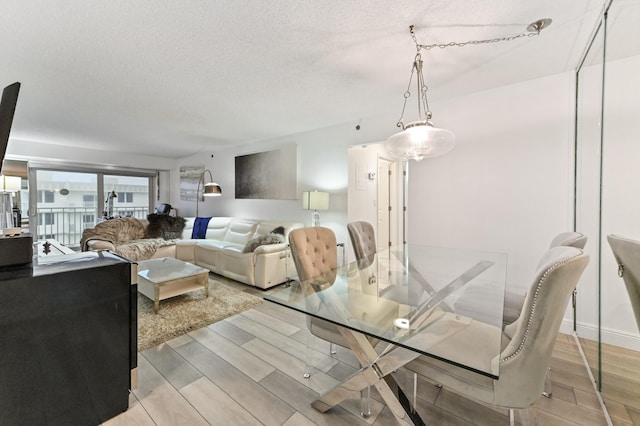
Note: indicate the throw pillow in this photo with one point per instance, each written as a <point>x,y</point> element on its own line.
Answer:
<point>274,237</point>
<point>165,226</point>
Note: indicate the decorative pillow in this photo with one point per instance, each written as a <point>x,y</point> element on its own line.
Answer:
<point>165,226</point>
<point>274,237</point>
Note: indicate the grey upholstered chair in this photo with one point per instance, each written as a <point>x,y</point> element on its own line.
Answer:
<point>363,240</point>
<point>527,343</point>
<point>627,254</point>
<point>513,301</point>
<point>314,252</point>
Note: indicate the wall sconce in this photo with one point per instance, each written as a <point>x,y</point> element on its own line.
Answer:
<point>210,189</point>
<point>315,201</point>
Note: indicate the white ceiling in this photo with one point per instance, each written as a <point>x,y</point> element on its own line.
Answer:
<point>173,77</point>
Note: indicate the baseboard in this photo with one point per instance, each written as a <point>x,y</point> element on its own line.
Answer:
<point>610,337</point>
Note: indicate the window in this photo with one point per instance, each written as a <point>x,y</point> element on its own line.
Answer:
<point>88,200</point>
<point>68,213</point>
<point>46,218</point>
<point>125,197</point>
<point>45,196</point>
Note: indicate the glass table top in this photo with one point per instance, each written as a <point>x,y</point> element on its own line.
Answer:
<point>441,302</point>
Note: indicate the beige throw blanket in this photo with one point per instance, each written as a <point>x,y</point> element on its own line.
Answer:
<point>127,234</point>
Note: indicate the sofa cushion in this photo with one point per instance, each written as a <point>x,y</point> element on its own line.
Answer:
<point>165,226</point>
<point>276,236</point>
<point>240,231</point>
<point>216,228</point>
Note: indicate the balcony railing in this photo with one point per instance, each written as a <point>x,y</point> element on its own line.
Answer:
<point>65,224</point>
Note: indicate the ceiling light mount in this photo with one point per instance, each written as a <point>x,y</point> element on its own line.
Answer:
<point>539,25</point>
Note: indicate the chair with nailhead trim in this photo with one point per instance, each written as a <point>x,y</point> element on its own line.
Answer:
<point>527,344</point>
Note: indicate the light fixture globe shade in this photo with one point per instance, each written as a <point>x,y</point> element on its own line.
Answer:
<point>211,189</point>
<point>420,140</point>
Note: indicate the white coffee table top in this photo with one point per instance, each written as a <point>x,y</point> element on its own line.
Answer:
<point>167,269</point>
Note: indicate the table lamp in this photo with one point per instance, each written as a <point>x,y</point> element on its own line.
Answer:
<point>315,200</point>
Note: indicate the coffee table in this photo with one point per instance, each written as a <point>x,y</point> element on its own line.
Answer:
<point>160,279</point>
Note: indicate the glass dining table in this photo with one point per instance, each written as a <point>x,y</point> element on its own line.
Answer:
<point>413,301</point>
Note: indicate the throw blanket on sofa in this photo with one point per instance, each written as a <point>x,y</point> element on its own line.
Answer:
<point>200,228</point>
<point>115,231</point>
<point>138,250</point>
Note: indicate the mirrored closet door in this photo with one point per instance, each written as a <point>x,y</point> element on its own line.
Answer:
<point>607,181</point>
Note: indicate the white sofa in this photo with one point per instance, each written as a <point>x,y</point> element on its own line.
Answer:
<point>221,251</point>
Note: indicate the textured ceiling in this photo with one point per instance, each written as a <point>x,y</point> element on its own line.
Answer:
<point>174,77</point>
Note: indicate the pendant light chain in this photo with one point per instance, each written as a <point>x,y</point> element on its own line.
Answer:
<point>533,30</point>
<point>421,139</point>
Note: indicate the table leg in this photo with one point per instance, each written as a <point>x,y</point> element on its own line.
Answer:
<point>156,299</point>
<point>205,282</point>
<point>375,371</point>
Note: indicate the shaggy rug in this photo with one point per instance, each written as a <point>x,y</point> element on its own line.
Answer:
<point>182,314</point>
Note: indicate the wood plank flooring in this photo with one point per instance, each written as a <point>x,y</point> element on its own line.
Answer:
<point>247,370</point>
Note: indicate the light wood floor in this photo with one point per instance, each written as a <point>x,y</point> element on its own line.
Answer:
<point>620,381</point>
<point>247,370</point>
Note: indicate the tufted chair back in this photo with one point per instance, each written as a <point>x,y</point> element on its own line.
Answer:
<point>363,240</point>
<point>314,251</point>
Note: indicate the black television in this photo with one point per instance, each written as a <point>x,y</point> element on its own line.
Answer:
<point>7,109</point>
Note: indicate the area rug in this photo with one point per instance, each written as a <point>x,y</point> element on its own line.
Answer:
<point>182,314</point>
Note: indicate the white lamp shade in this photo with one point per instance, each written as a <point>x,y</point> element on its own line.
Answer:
<point>10,183</point>
<point>315,200</point>
<point>418,141</point>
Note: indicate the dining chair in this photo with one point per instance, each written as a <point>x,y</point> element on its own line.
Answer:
<point>513,302</point>
<point>527,343</point>
<point>363,240</point>
<point>315,255</point>
<point>627,255</point>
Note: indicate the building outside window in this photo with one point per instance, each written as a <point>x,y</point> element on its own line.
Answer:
<point>125,197</point>
<point>69,201</point>
<point>46,196</point>
<point>46,218</point>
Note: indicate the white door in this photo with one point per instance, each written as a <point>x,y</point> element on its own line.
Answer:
<point>388,207</point>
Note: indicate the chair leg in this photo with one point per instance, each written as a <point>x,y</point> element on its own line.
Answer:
<point>527,417</point>
<point>308,358</point>
<point>332,348</point>
<point>547,385</point>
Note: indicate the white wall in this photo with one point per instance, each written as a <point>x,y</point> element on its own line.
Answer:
<point>322,165</point>
<point>507,184</point>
